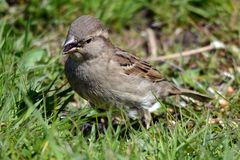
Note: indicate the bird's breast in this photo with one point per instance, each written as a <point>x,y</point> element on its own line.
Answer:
<point>106,83</point>
<point>79,77</point>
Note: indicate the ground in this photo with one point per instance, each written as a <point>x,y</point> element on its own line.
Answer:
<point>42,118</point>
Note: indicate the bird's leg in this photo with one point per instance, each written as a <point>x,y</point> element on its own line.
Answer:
<point>146,118</point>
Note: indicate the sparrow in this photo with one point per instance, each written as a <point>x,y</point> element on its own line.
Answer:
<point>111,78</point>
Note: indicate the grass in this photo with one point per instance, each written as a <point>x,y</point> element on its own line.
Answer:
<point>41,118</point>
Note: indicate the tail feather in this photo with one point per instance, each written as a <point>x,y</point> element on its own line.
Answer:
<point>195,95</point>
<point>171,89</point>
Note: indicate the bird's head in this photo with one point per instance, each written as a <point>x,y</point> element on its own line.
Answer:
<point>87,38</point>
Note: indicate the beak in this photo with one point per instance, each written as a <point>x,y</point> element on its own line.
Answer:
<point>70,46</point>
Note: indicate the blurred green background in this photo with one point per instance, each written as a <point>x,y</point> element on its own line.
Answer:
<point>41,118</point>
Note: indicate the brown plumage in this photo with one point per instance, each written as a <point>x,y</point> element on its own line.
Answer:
<point>110,77</point>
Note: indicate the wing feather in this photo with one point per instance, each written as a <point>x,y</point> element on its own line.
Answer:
<point>136,66</point>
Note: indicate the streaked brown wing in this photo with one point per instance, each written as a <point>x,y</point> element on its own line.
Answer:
<point>136,66</point>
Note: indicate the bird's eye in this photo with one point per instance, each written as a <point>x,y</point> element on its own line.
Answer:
<point>88,40</point>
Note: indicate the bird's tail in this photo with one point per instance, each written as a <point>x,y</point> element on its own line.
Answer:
<point>171,89</point>
<point>194,95</point>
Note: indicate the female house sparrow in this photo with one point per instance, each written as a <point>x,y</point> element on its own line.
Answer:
<point>109,77</point>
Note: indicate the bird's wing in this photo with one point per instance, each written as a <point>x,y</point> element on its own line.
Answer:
<point>132,65</point>
<point>135,66</point>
